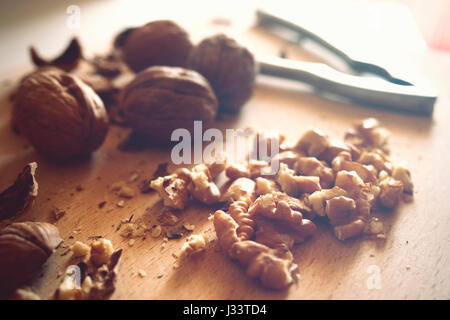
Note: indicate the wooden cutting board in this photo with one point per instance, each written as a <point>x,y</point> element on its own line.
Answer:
<point>413,262</point>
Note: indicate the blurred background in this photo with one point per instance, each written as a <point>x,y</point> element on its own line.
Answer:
<point>374,28</point>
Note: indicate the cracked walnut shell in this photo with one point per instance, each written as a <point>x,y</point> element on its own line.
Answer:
<point>60,115</point>
<point>161,99</point>
<point>24,247</point>
<point>21,195</point>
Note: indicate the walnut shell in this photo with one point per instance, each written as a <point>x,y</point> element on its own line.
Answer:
<point>67,60</point>
<point>60,115</point>
<point>16,199</point>
<point>162,99</point>
<point>229,68</point>
<point>24,247</point>
<point>160,42</point>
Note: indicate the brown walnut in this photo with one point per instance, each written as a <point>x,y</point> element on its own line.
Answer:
<point>160,42</point>
<point>229,67</point>
<point>162,99</point>
<point>60,115</point>
<point>24,247</point>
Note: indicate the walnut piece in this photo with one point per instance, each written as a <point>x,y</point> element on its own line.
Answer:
<point>19,197</point>
<point>273,267</point>
<point>368,134</point>
<point>61,116</point>
<point>241,189</point>
<point>251,169</point>
<point>318,199</point>
<point>202,187</point>
<point>173,189</point>
<point>391,192</point>
<point>101,251</point>
<point>264,186</point>
<point>194,244</point>
<point>97,281</point>
<point>79,249</point>
<point>310,166</point>
<point>313,142</point>
<point>24,247</point>
<point>260,237</point>
<point>295,185</point>
<point>402,174</point>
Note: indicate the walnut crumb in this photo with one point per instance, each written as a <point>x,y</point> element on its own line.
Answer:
<point>58,213</point>
<point>133,177</point>
<point>156,231</point>
<point>79,249</point>
<point>188,226</point>
<point>142,273</point>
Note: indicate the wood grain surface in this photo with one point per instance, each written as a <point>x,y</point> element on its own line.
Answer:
<point>414,261</point>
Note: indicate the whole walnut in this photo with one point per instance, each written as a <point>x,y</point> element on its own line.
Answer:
<point>60,115</point>
<point>229,68</point>
<point>162,99</point>
<point>160,42</point>
<point>24,247</point>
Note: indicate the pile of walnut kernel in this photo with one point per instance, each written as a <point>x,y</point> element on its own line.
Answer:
<point>319,177</point>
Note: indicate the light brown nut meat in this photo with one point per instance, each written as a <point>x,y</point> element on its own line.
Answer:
<point>363,172</point>
<point>376,158</point>
<point>262,263</point>
<point>349,230</point>
<point>295,185</point>
<point>264,186</point>
<point>236,171</point>
<point>402,174</point>
<point>279,211</point>
<point>350,181</point>
<point>339,208</point>
<point>226,230</point>
<point>202,187</point>
<point>273,237</point>
<point>368,134</point>
<point>242,189</point>
<point>296,204</point>
<point>194,244</point>
<point>288,157</point>
<point>374,227</point>
<point>310,166</point>
<point>390,192</point>
<point>313,142</point>
<point>238,210</point>
<point>251,169</point>
<point>101,251</point>
<point>334,148</point>
<point>318,199</point>
<point>173,189</point>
